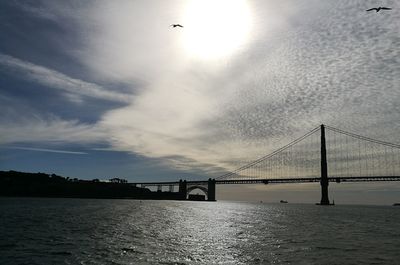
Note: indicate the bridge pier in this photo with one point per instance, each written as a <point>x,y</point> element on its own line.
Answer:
<point>211,190</point>
<point>324,170</point>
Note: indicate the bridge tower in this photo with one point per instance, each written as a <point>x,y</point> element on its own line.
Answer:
<point>324,170</point>
<point>182,189</point>
<point>211,190</point>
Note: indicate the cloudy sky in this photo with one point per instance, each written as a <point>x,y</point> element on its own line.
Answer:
<point>97,89</point>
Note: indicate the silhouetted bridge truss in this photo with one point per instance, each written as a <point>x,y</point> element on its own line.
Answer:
<point>348,157</point>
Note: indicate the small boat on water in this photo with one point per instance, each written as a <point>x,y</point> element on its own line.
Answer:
<point>283,201</point>
<point>396,204</point>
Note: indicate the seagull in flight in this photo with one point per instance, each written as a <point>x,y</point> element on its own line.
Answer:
<point>379,8</point>
<point>176,25</point>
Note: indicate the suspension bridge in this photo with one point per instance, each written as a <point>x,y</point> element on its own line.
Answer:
<point>325,154</point>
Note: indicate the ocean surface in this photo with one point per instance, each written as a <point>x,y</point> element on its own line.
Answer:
<point>85,231</point>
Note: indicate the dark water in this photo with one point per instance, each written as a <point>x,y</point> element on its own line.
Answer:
<point>74,231</point>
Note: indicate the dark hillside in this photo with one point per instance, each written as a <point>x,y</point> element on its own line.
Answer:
<point>20,184</point>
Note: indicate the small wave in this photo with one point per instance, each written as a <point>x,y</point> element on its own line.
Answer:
<point>326,248</point>
<point>172,263</point>
<point>132,250</point>
<point>61,253</point>
<point>7,246</point>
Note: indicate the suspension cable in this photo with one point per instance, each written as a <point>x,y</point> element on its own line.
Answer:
<point>269,155</point>
<point>362,137</point>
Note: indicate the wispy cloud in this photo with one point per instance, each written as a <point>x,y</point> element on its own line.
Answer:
<point>51,129</point>
<point>71,86</point>
<point>48,150</point>
<point>36,10</point>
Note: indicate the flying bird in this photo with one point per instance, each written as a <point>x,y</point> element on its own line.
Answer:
<point>379,8</point>
<point>176,25</point>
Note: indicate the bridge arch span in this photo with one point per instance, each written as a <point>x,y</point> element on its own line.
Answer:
<point>202,188</point>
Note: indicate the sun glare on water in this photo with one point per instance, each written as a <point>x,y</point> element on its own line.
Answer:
<point>215,28</point>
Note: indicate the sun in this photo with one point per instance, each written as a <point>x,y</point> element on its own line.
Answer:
<point>215,28</point>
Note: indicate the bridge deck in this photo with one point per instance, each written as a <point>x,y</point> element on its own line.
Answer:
<point>276,181</point>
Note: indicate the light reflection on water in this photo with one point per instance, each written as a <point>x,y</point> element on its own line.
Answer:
<point>73,231</point>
